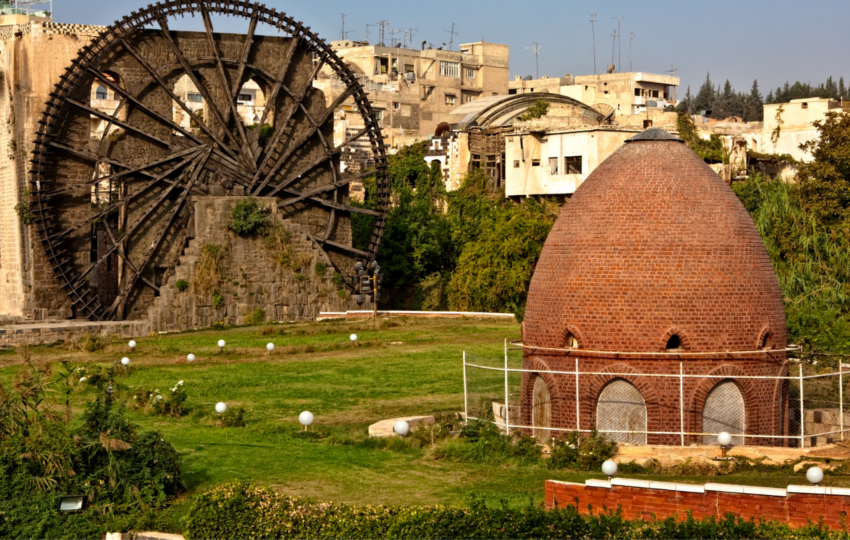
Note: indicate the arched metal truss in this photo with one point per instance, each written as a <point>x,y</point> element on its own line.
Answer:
<point>125,194</point>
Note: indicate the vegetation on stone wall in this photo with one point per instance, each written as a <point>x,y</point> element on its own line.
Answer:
<point>248,217</point>
<point>24,209</point>
<point>540,108</point>
<point>209,270</point>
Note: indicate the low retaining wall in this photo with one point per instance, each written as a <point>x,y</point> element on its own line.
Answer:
<point>424,314</point>
<point>51,332</point>
<point>796,505</point>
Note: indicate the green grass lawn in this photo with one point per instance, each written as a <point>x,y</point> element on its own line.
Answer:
<point>407,367</point>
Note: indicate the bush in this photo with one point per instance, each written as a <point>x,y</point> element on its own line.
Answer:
<point>209,268</point>
<point>239,510</point>
<point>248,217</point>
<point>218,300</point>
<point>277,242</point>
<point>482,442</point>
<point>181,285</point>
<point>257,317</point>
<point>321,269</point>
<point>232,417</point>
<point>161,404</point>
<point>574,451</point>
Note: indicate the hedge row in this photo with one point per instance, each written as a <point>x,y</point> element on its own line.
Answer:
<point>241,510</point>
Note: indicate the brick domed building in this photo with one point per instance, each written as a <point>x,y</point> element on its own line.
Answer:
<point>653,267</point>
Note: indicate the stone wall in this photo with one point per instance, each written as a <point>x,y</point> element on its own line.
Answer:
<point>251,278</point>
<point>51,332</point>
<point>796,505</point>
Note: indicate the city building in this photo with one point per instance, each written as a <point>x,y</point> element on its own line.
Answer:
<point>653,292</point>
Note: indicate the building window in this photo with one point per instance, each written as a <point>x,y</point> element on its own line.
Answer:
<point>396,105</point>
<point>470,74</point>
<point>469,98</point>
<point>195,98</point>
<point>724,410</point>
<point>516,164</point>
<point>674,343</point>
<point>585,87</point>
<point>316,60</point>
<point>655,93</point>
<point>101,93</point>
<point>637,92</point>
<point>378,114</point>
<point>622,410</point>
<point>512,91</point>
<point>535,162</point>
<point>450,99</point>
<point>245,98</point>
<point>572,165</point>
<point>571,341</point>
<point>408,68</point>
<point>767,341</point>
<point>805,105</point>
<point>553,166</point>
<point>450,69</point>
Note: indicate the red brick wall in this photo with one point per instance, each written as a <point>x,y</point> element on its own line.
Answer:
<point>663,500</point>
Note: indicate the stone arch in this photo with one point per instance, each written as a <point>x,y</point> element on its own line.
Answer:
<point>541,409</point>
<point>675,331</point>
<point>536,369</point>
<point>621,407</point>
<point>724,410</point>
<point>593,388</point>
<point>572,330</point>
<point>765,339</point>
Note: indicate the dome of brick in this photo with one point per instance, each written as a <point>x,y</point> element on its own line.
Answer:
<point>654,244</point>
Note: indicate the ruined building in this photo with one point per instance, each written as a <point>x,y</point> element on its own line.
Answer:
<point>655,268</point>
<point>128,146</point>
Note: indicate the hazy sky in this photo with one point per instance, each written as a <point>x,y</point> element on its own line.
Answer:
<point>772,41</point>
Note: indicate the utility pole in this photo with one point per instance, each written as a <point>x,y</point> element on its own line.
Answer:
<point>593,32</point>
<point>343,25</point>
<point>619,33</point>
<point>367,32</point>
<point>613,47</point>
<point>383,25</point>
<point>631,37</point>
<point>672,71</point>
<point>536,50</point>
<point>452,33</point>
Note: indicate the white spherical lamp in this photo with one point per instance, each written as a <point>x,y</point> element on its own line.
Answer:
<point>305,418</point>
<point>220,407</point>
<point>125,361</point>
<point>724,439</point>
<point>221,344</point>
<point>401,427</point>
<point>270,347</point>
<point>609,468</point>
<point>814,475</point>
<point>132,344</point>
<point>190,357</point>
<point>353,338</point>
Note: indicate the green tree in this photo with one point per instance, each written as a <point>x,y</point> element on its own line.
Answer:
<point>540,108</point>
<point>825,181</point>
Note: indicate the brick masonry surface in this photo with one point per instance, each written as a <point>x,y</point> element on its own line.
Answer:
<point>653,244</point>
<point>796,505</point>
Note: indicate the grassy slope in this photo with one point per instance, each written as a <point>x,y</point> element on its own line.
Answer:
<point>407,368</point>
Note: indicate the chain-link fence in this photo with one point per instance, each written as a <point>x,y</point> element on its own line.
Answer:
<point>807,407</point>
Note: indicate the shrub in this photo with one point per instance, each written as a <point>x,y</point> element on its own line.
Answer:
<point>338,280</point>
<point>181,285</point>
<point>218,300</point>
<point>209,268</point>
<point>321,269</point>
<point>482,442</point>
<point>574,451</point>
<point>219,325</point>
<point>257,317</point>
<point>540,108</point>
<point>161,403</point>
<point>342,293</point>
<point>232,417</point>
<point>277,242</point>
<point>248,217</point>
<point>24,209</point>
<point>89,343</point>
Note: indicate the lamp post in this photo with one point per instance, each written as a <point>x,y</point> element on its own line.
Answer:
<point>725,442</point>
<point>270,348</point>
<point>305,419</point>
<point>609,468</point>
<point>125,361</point>
<point>132,345</point>
<point>221,345</point>
<point>401,427</point>
<point>221,407</point>
<point>190,357</point>
<point>815,475</point>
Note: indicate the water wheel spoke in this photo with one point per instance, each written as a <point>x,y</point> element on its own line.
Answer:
<point>117,122</point>
<point>166,33</point>
<point>126,259</point>
<point>142,107</point>
<point>280,127</point>
<point>201,124</point>
<point>278,84</point>
<point>231,103</point>
<point>302,171</point>
<point>243,60</point>
<point>176,207</point>
<point>354,137</point>
<point>300,141</point>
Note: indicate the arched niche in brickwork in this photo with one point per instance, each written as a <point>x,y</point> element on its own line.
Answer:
<point>621,407</point>
<point>541,409</point>
<point>572,338</point>
<point>670,336</point>
<point>765,339</point>
<point>724,410</point>
<point>753,415</point>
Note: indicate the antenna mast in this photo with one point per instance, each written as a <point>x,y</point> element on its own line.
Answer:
<point>619,33</point>
<point>536,50</point>
<point>343,26</point>
<point>613,47</point>
<point>593,32</point>
<point>452,33</point>
<point>631,37</point>
<point>383,24</point>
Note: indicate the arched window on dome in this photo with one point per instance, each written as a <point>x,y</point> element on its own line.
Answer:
<point>766,341</point>
<point>724,410</point>
<point>101,93</point>
<point>621,408</point>
<point>570,341</point>
<point>674,343</point>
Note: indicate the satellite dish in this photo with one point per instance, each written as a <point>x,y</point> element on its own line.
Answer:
<point>610,69</point>
<point>682,107</point>
<point>528,78</point>
<point>669,108</point>
<point>442,129</point>
<point>598,114</point>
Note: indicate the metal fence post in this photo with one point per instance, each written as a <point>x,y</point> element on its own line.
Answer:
<point>465,394</point>
<point>682,401</point>
<point>841,396</point>
<point>802,413</point>
<point>507,410</point>
<point>578,408</point>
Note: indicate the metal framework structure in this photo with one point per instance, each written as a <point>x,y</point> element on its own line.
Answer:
<point>150,165</point>
<point>817,399</point>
